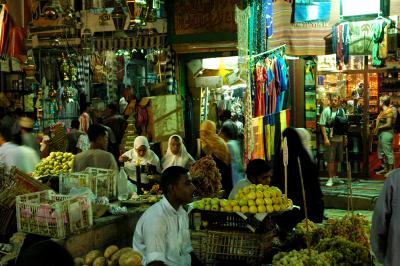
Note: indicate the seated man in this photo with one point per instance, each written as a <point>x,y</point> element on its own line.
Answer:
<point>162,233</point>
<point>258,172</point>
<point>96,156</point>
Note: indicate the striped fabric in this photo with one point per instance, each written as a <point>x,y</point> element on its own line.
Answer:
<point>301,39</point>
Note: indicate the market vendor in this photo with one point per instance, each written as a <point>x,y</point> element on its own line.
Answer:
<point>141,155</point>
<point>176,154</point>
<point>96,156</point>
<point>162,233</point>
<point>258,172</point>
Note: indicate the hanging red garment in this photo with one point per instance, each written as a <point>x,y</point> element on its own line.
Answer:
<point>11,36</point>
<point>5,26</point>
<point>259,101</point>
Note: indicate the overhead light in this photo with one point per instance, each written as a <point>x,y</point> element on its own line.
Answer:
<point>119,17</point>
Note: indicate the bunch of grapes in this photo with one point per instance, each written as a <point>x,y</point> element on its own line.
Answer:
<point>345,252</point>
<point>354,228</point>
<point>302,257</point>
<point>206,176</point>
<point>304,225</point>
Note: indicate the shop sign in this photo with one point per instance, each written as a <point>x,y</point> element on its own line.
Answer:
<point>204,16</point>
<point>326,62</point>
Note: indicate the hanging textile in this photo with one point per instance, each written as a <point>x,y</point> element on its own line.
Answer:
<point>377,38</point>
<point>269,18</point>
<point>258,129</point>
<point>260,76</point>
<point>242,21</point>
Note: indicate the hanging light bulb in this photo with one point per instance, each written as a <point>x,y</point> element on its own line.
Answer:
<point>119,17</point>
<point>137,12</point>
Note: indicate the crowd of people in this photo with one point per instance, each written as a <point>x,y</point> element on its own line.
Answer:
<point>168,242</point>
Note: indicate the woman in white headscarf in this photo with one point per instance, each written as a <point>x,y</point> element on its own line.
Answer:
<point>305,138</point>
<point>176,154</point>
<point>140,154</point>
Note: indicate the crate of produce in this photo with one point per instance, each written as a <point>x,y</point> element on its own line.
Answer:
<point>103,182</point>
<point>213,220</point>
<point>49,214</point>
<point>67,181</point>
<point>224,247</point>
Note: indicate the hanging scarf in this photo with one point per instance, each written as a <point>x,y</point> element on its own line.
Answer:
<point>183,158</point>
<point>212,144</point>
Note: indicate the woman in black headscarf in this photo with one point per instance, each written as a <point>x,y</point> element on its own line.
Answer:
<point>297,142</point>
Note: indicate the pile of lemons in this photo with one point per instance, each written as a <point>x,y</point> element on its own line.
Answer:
<point>55,163</point>
<point>250,199</point>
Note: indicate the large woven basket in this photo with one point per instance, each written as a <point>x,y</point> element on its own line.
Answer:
<point>227,247</point>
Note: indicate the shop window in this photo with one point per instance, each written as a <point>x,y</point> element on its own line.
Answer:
<point>361,9</point>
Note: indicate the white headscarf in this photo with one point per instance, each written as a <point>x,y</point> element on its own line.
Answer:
<point>148,158</point>
<point>305,138</point>
<point>183,158</point>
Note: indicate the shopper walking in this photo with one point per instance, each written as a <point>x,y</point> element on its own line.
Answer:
<point>385,133</point>
<point>333,122</point>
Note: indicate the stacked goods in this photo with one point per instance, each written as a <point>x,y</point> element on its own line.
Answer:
<point>111,256</point>
<point>54,164</point>
<point>206,176</point>
<point>250,199</point>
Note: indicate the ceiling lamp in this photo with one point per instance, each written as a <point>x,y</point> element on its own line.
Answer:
<point>119,17</point>
<point>137,12</point>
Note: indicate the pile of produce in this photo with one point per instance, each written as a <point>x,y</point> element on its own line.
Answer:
<point>250,199</point>
<point>111,256</point>
<point>344,241</point>
<point>345,252</point>
<point>354,228</point>
<point>302,257</point>
<point>55,163</point>
<point>206,176</point>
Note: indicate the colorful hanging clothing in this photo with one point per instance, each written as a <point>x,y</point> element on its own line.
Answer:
<point>259,101</point>
<point>377,38</point>
<point>267,135</point>
<point>258,152</point>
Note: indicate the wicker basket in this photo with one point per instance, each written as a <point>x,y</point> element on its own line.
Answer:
<point>226,247</point>
<point>54,215</point>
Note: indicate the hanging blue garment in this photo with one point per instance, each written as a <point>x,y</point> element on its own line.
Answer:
<point>334,47</point>
<point>269,18</point>
<point>346,43</point>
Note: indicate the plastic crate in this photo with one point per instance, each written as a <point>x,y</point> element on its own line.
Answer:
<point>104,182</point>
<point>212,220</point>
<point>67,181</point>
<point>227,247</point>
<point>49,214</point>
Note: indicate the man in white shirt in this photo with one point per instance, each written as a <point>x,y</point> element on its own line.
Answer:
<point>125,99</point>
<point>162,233</point>
<point>22,157</point>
